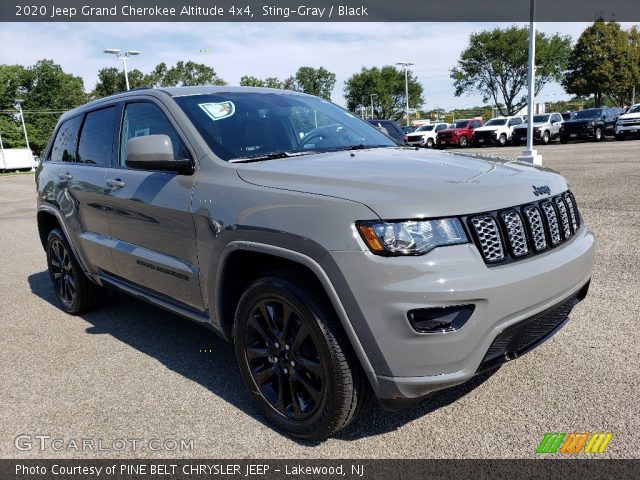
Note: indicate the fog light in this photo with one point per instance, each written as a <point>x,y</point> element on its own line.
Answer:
<point>440,319</point>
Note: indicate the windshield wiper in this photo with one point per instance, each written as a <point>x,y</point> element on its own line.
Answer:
<point>359,146</point>
<point>268,156</point>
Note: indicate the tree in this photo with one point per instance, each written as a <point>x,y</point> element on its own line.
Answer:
<point>315,81</point>
<point>184,74</point>
<point>496,61</point>
<point>249,81</point>
<point>111,80</point>
<point>604,62</point>
<point>389,86</point>
<point>46,91</point>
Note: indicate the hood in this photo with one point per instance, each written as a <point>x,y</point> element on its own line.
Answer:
<point>490,128</point>
<point>579,121</point>
<point>399,183</point>
<point>453,130</point>
<point>629,116</point>
<point>535,124</point>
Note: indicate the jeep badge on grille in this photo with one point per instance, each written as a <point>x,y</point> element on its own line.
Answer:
<point>542,190</point>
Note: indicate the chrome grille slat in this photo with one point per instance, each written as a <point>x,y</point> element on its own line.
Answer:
<point>534,217</point>
<point>515,233</point>
<point>564,217</point>
<point>488,234</point>
<point>552,221</point>
<point>573,210</point>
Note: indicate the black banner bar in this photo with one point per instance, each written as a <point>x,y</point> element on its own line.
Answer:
<point>200,469</point>
<point>315,10</point>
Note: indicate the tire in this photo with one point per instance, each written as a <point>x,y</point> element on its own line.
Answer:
<point>546,138</point>
<point>463,142</point>
<point>502,140</point>
<point>76,293</point>
<point>429,143</point>
<point>621,136</point>
<point>564,140</point>
<point>597,135</point>
<point>302,374</point>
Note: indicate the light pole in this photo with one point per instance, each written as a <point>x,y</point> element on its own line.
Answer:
<point>24,128</point>
<point>529,154</point>
<point>372,95</point>
<point>124,57</point>
<point>406,66</point>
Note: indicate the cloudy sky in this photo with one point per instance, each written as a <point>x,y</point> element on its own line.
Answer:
<point>263,49</point>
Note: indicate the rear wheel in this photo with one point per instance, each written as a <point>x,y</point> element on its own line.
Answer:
<point>76,293</point>
<point>429,143</point>
<point>502,140</point>
<point>564,140</point>
<point>621,136</point>
<point>464,143</point>
<point>295,359</point>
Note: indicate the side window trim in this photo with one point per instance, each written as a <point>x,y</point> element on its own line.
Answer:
<point>120,125</point>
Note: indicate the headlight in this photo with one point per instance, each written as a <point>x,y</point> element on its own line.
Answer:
<point>414,237</point>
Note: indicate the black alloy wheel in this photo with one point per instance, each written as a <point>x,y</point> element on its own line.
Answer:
<point>61,272</point>
<point>283,358</point>
<point>295,357</point>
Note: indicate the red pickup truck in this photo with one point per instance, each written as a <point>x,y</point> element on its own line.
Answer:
<point>460,135</point>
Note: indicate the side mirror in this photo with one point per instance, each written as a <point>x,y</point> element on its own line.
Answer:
<point>153,152</point>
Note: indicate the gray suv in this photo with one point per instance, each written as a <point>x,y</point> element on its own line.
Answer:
<point>339,264</point>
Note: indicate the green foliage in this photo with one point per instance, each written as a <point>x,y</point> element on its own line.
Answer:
<point>315,81</point>
<point>184,74</point>
<point>604,62</point>
<point>46,91</point>
<point>389,86</point>
<point>111,80</point>
<point>495,65</point>
<point>249,81</point>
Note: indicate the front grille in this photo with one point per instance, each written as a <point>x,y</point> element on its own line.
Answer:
<point>414,138</point>
<point>486,134</point>
<point>519,232</point>
<point>518,339</point>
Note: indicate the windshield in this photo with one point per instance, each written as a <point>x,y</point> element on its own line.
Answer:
<point>634,109</point>
<point>496,121</point>
<point>425,128</point>
<point>461,124</point>
<point>540,118</point>
<point>588,115</point>
<point>240,125</point>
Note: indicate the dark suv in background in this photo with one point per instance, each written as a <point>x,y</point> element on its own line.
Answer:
<point>391,128</point>
<point>590,124</point>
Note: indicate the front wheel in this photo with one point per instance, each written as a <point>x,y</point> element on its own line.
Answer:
<point>502,141</point>
<point>429,143</point>
<point>597,136</point>
<point>295,359</point>
<point>546,138</point>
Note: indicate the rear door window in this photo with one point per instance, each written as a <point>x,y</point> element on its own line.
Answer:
<point>96,139</point>
<point>64,146</point>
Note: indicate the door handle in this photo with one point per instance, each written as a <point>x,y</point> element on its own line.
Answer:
<point>65,176</point>
<point>115,183</point>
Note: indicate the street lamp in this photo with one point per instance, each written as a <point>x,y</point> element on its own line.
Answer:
<point>124,57</point>
<point>372,95</point>
<point>529,154</point>
<point>24,128</point>
<point>406,66</point>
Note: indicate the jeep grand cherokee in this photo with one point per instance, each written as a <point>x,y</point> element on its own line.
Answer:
<point>338,263</point>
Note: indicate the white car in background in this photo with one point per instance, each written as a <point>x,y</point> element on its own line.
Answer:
<point>497,131</point>
<point>628,124</point>
<point>425,136</point>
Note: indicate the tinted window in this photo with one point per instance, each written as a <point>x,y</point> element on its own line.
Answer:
<point>515,121</point>
<point>556,118</point>
<point>142,119</point>
<point>442,126</point>
<point>96,138</point>
<point>495,121</point>
<point>64,146</point>
<point>591,114</point>
<point>540,118</point>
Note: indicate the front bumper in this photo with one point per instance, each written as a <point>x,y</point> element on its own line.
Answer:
<point>628,129</point>
<point>408,364</point>
<point>421,142</point>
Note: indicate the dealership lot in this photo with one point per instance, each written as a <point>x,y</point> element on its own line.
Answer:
<point>133,372</point>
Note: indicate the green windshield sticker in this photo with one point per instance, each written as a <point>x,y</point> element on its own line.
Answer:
<point>218,111</point>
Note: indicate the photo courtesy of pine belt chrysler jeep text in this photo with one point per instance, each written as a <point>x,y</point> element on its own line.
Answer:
<point>341,265</point>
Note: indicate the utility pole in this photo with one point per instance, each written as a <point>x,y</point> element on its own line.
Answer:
<point>372,95</point>
<point>24,128</point>
<point>406,66</point>
<point>529,154</point>
<point>633,96</point>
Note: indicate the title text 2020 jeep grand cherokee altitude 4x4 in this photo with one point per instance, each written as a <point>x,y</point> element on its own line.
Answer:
<point>338,263</point>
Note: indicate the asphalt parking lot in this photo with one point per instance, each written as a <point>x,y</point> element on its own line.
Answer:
<point>131,371</point>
